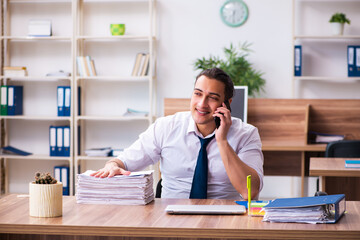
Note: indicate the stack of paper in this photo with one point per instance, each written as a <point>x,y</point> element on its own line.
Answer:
<point>135,189</point>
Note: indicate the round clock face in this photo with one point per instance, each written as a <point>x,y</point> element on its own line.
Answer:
<point>234,13</point>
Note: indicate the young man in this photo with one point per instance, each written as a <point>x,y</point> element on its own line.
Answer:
<point>233,151</point>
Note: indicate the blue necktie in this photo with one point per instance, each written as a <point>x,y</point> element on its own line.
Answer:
<point>200,180</point>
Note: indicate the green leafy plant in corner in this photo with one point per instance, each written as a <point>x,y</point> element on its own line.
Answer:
<point>339,18</point>
<point>237,66</point>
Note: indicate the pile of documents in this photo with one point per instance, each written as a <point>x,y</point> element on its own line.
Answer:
<point>320,209</point>
<point>135,189</point>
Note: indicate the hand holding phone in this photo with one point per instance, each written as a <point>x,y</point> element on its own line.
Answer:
<point>217,119</point>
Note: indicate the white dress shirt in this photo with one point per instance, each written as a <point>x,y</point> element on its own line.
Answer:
<point>173,140</point>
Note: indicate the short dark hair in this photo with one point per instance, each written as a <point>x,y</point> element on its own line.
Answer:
<point>222,76</point>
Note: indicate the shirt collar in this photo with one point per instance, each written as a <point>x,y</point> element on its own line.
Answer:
<point>193,129</point>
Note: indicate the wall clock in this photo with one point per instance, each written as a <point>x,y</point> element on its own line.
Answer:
<point>234,13</point>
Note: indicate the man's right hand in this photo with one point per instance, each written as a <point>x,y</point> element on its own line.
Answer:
<point>110,169</point>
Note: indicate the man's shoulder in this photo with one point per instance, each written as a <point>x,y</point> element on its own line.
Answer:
<point>239,125</point>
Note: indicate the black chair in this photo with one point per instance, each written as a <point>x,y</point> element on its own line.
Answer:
<point>343,149</point>
<point>158,189</point>
<point>348,185</point>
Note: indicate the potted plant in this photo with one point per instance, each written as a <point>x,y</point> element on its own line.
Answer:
<point>338,21</point>
<point>45,196</point>
<point>237,66</point>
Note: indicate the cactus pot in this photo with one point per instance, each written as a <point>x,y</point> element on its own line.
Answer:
<point>45,199</point>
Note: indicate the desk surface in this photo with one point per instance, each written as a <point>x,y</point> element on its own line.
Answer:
<point>152,221</point>
<point>276,145</point>
<point>332,167</point>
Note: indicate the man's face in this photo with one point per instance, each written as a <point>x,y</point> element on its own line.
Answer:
<point>207,96</point>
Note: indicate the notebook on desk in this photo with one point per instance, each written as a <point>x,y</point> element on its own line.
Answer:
<point>205,209</point>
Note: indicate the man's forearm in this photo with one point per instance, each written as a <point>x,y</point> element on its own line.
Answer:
<point>237,171</point>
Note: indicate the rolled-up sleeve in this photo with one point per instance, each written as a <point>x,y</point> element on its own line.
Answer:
<point>144,151</point>
<point>250,153</point>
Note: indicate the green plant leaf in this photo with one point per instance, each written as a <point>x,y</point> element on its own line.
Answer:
<point>236,66</point>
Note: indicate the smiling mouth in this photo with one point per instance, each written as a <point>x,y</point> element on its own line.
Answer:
<point>202,112</point>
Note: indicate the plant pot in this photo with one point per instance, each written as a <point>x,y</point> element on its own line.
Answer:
<point>337,28</point>
<point>45,199</point>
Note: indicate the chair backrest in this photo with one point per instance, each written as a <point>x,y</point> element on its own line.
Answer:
<point>344,149</point>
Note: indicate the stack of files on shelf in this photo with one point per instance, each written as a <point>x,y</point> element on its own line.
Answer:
<point>59,141</point>
<point>11,100</point>
<point>85,66</point>
<point>61,174</point>
<point>98,152</point>
<point>353,55</point>
<point>9,150</point>
<point>63,101</point>
<point>141,66</point>
<point>135,113</point>
<point>319,209</point>
<point>15,71</point>
<point>316,137</point>
<point>39,28</point>
<point>135,189</point>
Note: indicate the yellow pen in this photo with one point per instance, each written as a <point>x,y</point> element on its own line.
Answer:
<point>249,191</point>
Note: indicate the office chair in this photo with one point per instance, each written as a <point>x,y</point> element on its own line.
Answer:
<point>344,149</point>
<point>158,189</point>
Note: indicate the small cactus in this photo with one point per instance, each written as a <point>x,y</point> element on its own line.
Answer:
<point>44,178</point>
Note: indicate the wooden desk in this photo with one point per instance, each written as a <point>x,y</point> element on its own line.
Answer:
<point>81,221</point>
<point>335,167</point>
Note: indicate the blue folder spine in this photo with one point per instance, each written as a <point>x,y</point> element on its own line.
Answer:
<point>67,101</point>
<point>357,61</point>
<point>67,140</point>
<point>351,61</point>
<point>52,141</point>
<point>15,100</point>
<point>297,60</point>
<point>60,101</point>
<point>59,141</point>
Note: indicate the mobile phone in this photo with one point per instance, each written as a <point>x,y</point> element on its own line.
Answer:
<point>217,122</point>
<point>217,119</point>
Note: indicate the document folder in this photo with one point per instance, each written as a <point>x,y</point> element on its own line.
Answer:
<point>66,141</point>
<point>67,101</point>
<point>319,209</point>
<point>60,101</point>
<point>52,141</point>
<point>4,100</point>
<point>297,60</point>
<point>15,100</point>
<point>59,141</point>
<point>351,61</point>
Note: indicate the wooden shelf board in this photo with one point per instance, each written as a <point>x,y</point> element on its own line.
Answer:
<point>122,37</point>
<point>35,157</point>
<point>117,78</point>
<point>37,78</point>
<point>24,117</point>
<point>111,118</point>
<point>28,38</point>
<point>329,79</point>
<point>341,37</point>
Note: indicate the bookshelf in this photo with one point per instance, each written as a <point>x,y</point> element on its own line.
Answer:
<point>104,98</point>
<point>79,28</point>
<point>324,56</point>
<point>30,131</point>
